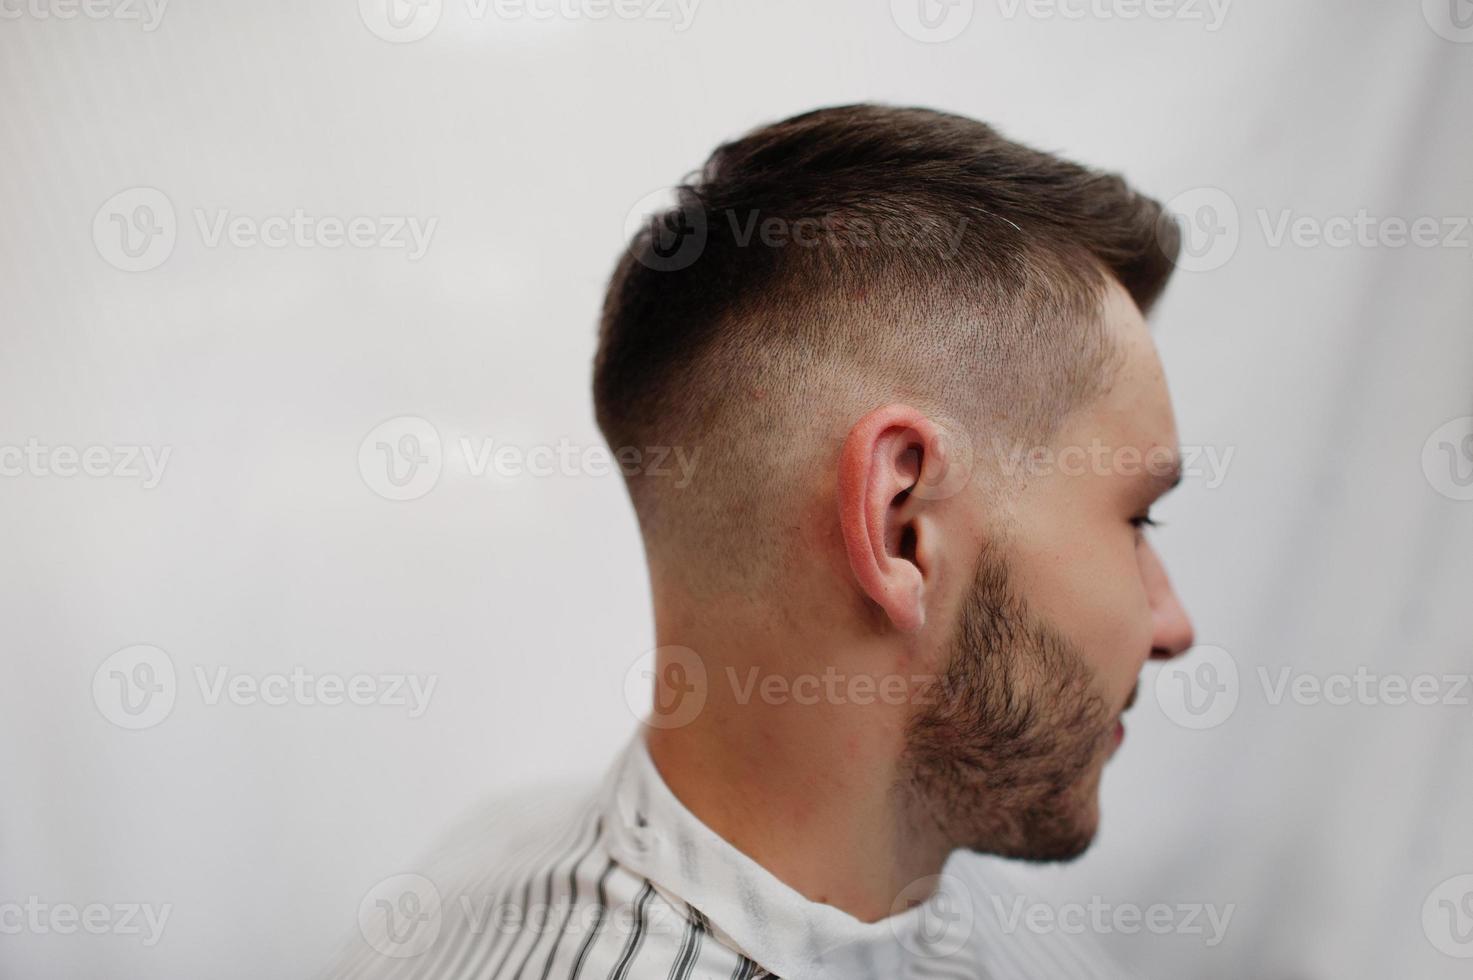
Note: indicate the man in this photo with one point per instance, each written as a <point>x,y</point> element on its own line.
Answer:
<point>904,600</point>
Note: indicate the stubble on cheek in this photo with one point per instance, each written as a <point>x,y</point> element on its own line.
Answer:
<point>1007,757</point>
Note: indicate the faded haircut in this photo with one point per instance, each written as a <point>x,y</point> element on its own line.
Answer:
<point>823,265</point>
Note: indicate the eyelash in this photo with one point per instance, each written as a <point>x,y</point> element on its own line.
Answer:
<point>1144,521</point>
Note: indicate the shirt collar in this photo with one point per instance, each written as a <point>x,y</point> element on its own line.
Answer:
<point>651,833</point>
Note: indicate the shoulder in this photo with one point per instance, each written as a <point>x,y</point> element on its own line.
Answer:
<point>525,887</point>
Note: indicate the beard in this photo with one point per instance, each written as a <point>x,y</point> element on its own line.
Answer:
<point>1005,757</point>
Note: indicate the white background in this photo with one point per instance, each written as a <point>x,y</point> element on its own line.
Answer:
<point>1325,369</point>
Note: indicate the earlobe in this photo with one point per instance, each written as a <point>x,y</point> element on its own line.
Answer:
<point>884,461</point>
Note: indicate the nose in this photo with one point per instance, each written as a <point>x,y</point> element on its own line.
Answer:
<point>1171,627</point>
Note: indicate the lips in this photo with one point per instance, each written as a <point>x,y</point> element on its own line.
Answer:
<point>1119,724</point>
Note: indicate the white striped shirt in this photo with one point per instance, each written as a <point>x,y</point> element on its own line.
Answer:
<point>627,884</point>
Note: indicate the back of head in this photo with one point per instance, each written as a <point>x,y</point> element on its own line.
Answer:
<point>828,263</point>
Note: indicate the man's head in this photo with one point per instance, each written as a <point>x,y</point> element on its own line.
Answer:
<point>882,329</point>
<point>1065,607</point>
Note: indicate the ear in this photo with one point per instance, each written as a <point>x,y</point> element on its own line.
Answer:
<point>891,460</point>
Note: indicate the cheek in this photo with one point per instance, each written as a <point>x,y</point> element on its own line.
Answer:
<point>1093,594</point>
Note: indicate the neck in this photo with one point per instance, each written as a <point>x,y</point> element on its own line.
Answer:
<point>802,777</point>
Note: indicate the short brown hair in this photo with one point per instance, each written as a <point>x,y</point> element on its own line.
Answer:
<point>819,265</point>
